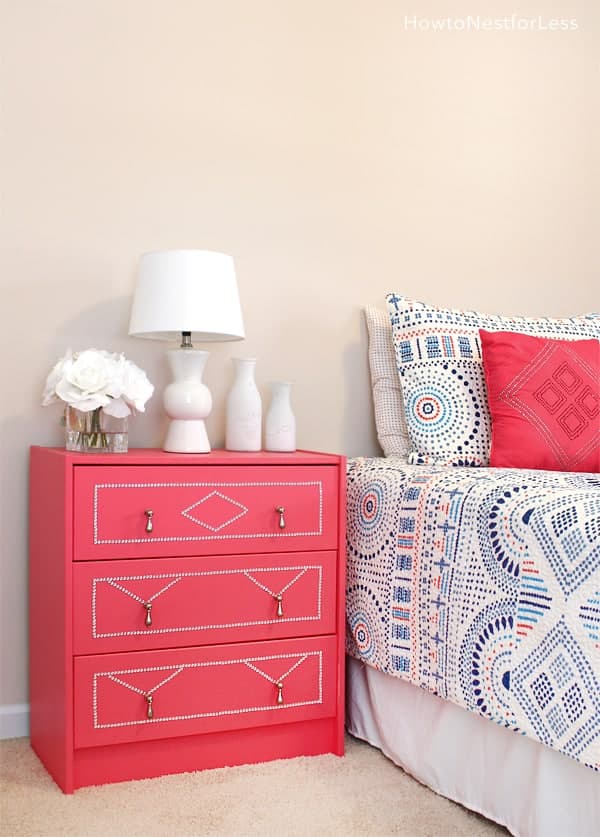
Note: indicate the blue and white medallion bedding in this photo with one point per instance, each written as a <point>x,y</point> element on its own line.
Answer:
<point>482,586</point>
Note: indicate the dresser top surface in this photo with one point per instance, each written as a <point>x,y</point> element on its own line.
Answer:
<point>156,456</point>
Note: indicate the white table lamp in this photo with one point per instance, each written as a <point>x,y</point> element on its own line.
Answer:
<point>180,293</point>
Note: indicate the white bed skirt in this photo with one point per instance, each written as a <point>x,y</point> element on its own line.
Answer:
<point>527,787</point>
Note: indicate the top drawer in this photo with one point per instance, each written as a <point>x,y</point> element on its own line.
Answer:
<point>144,511</point>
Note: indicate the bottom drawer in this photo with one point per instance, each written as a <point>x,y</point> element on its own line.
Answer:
<point>162,694</point>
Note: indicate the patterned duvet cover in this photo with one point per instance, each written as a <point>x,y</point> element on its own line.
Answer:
<point>482,585</point>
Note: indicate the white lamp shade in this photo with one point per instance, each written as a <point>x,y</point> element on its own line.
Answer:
<point>186,290</point>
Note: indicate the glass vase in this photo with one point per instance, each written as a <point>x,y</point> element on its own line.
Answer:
<point>94,431</point>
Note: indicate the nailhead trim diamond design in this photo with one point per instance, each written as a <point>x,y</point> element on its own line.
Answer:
<point>186,512</point>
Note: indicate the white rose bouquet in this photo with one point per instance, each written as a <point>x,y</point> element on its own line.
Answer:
<point>96,385</point>
<point>98,380</point>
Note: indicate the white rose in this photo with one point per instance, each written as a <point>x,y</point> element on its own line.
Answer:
<point>137,389</point>
<point>90,380</point>
<point>56,374</point>
<point>117,407</point>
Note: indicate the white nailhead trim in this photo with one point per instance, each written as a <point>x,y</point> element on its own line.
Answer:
<point>283,589</point>
<point>141,692</point>
<point>179,576</point>
<point>113,582</point>
<point>277,680</point>
<point>178,669</point>
<point>219,536</point>
<point>278,621</point>
<point>207,525</point>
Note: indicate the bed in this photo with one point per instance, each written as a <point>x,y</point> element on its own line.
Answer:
<point>473,593</point>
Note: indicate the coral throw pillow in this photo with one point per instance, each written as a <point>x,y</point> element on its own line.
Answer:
<point>544,401</point>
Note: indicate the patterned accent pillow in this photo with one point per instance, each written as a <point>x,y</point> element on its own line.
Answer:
<point>544,398</point>
<point>438,357</point>
<point>390,421</point>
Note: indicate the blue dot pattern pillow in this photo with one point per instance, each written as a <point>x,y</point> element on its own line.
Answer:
<point>438,355</point>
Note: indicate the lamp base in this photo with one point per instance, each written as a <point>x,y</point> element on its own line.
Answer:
<point>187,402</point>
<point>187,436</point>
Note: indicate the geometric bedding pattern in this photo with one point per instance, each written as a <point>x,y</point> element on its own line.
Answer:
<point>482,586</point>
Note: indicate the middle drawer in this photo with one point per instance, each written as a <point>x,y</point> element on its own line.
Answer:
<point>137,605</point>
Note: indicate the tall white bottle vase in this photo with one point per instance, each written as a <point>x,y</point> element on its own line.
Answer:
<point>280,422</point>
<point>243,428</point>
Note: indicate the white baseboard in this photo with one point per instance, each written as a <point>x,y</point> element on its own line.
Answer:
<point>14,721</point>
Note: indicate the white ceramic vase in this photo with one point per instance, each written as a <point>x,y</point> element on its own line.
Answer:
<point>243,409</point>
<point>280,422</point>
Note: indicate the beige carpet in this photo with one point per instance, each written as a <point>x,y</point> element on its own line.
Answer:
<point>360,794</point>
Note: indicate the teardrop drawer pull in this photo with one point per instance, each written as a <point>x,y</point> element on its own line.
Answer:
<point>280,510</point>
<point>149,711</point>
<point>149,525</point>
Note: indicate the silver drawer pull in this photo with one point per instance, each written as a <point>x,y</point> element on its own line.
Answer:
<point>280,510</point>
<point>149,712</point>
<point>149,526</point>
<point>148,619</point>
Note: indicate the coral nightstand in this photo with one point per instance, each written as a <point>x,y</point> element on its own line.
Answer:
<point>186,611</point>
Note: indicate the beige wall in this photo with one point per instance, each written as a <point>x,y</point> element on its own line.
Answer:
<point>333,151</point>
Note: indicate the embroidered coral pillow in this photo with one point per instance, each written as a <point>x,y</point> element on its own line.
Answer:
<point>544,398</point>
<point>438,357</point>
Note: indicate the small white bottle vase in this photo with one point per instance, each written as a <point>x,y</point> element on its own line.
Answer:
<point>243,408</point>
<point>280,422</point>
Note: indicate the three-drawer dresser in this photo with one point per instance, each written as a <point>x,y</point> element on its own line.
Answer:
<point>186,610</point>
